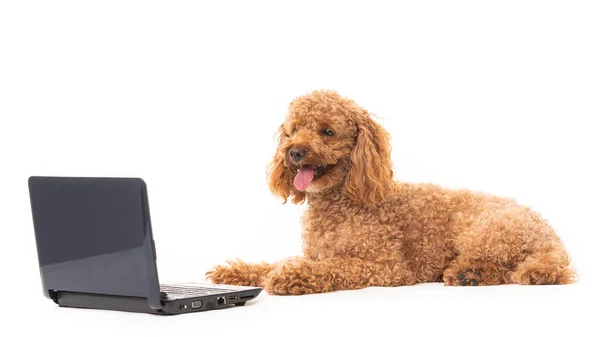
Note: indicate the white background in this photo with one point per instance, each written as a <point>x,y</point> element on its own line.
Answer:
<point>496,97</point>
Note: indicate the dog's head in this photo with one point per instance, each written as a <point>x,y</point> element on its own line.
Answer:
<point>328,141</point>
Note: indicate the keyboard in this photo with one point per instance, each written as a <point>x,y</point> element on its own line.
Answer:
<point>186,291</point>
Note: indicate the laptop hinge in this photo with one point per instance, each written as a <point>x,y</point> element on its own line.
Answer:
<point>53,294</point>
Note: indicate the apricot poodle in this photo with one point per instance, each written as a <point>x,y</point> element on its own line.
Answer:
<point>362,228</point>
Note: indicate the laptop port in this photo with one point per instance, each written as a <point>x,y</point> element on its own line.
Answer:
<point>232,298</point>
<point>221,300</point>
<point>197,304</point>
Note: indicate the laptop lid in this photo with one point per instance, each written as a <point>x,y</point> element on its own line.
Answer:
<point>94,235</point>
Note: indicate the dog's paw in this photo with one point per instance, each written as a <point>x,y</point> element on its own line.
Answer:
<point>467,278</point>
<point>223,275</point>
<point>239,273</point>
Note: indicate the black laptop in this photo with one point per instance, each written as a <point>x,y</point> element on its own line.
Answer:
<point>95,250</point>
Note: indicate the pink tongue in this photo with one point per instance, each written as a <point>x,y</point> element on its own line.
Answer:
<point>304,177</point>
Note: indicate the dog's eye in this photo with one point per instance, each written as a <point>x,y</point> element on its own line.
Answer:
<point>328,132</point>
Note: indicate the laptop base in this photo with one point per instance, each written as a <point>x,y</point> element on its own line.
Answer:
<point>140,304</point>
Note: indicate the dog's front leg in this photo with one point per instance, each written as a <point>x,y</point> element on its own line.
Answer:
<point>240,273</point>
<point>300,276</point>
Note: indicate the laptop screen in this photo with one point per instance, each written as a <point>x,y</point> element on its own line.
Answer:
<point>93,235</point>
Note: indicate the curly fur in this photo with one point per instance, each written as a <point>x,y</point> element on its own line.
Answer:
<point>362,228</point>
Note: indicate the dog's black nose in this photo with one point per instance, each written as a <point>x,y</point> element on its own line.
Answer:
<point>297,154</point>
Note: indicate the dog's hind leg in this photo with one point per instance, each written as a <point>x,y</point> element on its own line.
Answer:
<point>240,273</point>
<point>471,272</point>
<point>544,267</point>
<point>508,244</point>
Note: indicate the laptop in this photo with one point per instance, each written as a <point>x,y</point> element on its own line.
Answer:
<point>96,250</point>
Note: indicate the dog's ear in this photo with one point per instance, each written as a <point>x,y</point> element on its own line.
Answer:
<point>280,175</point>
<point>370,178</point>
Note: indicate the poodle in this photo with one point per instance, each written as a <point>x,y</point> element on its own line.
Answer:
<point>362,228</point>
